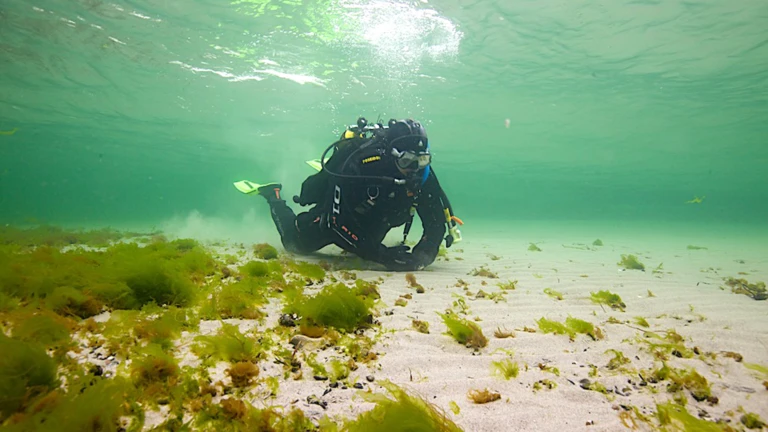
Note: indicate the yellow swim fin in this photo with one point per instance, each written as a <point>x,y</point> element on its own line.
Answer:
<point>249,187</point>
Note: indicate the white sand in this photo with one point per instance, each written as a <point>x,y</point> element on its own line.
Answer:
<point>688,299</point>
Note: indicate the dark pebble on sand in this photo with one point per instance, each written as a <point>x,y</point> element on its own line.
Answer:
<point>369,378</point>
<point>334,384</point>
<point>358,386</point>
<point>286,321</point>
<point>585,383</point>
<point>321,378</point>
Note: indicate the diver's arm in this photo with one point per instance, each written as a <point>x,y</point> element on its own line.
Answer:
<point>430,210</point>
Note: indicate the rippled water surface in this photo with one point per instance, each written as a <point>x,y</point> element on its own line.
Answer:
<point>140,111</point>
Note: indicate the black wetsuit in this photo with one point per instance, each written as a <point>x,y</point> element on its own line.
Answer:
<point>357,213</point>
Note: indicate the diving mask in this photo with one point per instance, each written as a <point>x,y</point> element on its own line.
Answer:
<point>409,160</point>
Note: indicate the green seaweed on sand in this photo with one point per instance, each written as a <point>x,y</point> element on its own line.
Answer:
<point>232,414</point>
<point>483,271</point>
<point>618,360</point>
<point>505,368</point>
<point>677,417</point>
<point>571,327</point>
<point>554,294</point>
<point>400,409</point>
<point>630,262</point>
<point>752,421</point>
<point>756,291</point>
<point>229,344</point>
<point>337,306</point>
<point>265,251</point>
<point>26,374</point>
<point>464,331</point>
<point>608,298</point>
<point>241,299</point>
<point>507,286</point>
<point>533,248</point>
<point>420,326</point>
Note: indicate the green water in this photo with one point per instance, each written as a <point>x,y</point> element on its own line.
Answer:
<point>139,112</point>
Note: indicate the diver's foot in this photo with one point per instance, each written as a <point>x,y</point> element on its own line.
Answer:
<point>270,191</point>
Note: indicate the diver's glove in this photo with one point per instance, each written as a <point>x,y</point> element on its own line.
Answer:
<point>397,258</point>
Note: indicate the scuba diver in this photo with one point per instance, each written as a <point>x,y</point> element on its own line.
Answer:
<point>376,179</point>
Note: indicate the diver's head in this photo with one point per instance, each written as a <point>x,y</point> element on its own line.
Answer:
<point>409,145</point>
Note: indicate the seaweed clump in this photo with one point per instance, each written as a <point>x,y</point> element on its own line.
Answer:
<point>338,306</point>
<point>756,291</point>
<point>26,373</point>
<point>401,409</point>
<point>506,368</point>
<point>630,262</point>
<point>571,327</point>
<point>420,326</point>
<point>482,271</point>
<point>411,279</point>
<point>234,414</point>
<point>464,331</point>
<point>554,294</point>
<point>264,251</point>
<point>752,421</point>
<point>671,414</point>
<point>608,298</point>
<point>483,396</point>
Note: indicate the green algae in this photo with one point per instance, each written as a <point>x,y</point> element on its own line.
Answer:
<point>229,344</point>
<point>400,410</point>
<point>630,262</point>
<point>26,372</point>
<point>670,343</point>
<point>336,306</point>
<point>608,298</point>
<point>756,290</point>
<point>163,326</point>
<point>507,286</point>
<point>752,421</point>
<point>265,251</point>
<point>617,361</point>
<point>465,332</point>
<point>554,294</point>
<point>571,327</point>
<point>641,322</point>
<point>677,417</point>
<point>241,299</point>
<point>420,326</point>
<point>506,368</point>
<point>533,248</point>
<point>90,405</point>
<point>58,237</point>
<point>232,414</point>
<point>153,364</point>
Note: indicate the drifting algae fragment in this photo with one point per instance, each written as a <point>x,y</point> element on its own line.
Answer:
<point>630,262</point>
<point>464,331</point>
<point>505,368</point>
<point>400,409</point>
<point>756,291</point>
<point>608,298</point>
<point>554,294</point>
<point>420,326</point>
<point>483,396</point>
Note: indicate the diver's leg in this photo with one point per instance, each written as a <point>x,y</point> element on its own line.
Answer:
<point>302,234</point>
